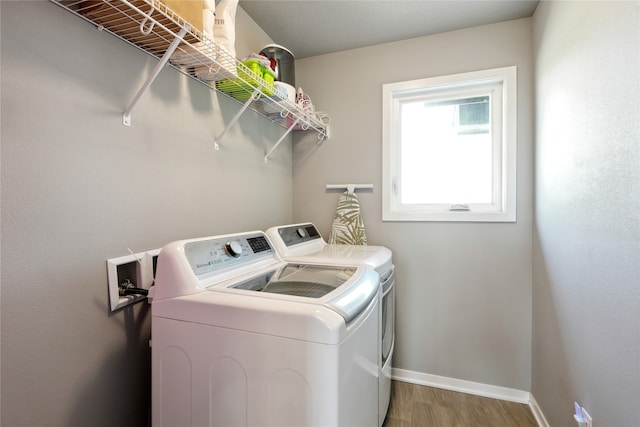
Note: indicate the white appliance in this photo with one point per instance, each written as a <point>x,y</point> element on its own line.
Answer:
<point>241,338</point>
<point>303,243</point>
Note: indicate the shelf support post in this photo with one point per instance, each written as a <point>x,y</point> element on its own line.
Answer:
<point>126,117</point>
<point>254,96</point>
<point>266,157</point>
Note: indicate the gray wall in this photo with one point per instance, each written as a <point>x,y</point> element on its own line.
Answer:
<point>78,188</point>
<point>464,289</point>
<point>586,303</point>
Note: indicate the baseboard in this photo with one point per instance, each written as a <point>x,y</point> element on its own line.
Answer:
<point>537,413</point>
<point>470,387</point>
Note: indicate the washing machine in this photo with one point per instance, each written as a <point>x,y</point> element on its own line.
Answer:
<point>303,243</point>
<point>242,338</point>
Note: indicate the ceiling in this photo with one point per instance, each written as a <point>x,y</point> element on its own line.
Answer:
<point>315,27</point>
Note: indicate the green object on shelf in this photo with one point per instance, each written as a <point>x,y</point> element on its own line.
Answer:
<point>250,75</point>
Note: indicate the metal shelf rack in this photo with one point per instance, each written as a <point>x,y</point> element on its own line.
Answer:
<point>157,30</point>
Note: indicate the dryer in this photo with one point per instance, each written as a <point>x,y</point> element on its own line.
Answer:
<point>303,243</point>
<point>241,338</point>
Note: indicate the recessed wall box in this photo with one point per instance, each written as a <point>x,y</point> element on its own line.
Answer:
<point>129,269</point>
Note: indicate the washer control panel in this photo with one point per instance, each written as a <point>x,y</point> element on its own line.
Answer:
<point>298,234</point>
<point>206,256</point>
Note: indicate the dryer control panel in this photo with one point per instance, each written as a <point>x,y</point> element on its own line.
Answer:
<point>206,256</point>
<point>298,234</point>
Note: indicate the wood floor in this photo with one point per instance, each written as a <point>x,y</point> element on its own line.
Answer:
<point>419,406</point>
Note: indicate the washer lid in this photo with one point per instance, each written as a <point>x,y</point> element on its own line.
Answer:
<point>336,287</point>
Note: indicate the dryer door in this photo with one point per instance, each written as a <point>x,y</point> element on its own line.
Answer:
<point>388,316</point>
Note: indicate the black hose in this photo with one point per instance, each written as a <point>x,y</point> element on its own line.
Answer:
<point>134,291</point>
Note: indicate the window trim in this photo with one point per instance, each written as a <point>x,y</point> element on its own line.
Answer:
<point>394,93</point>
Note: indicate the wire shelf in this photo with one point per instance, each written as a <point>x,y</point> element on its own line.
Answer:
<point>157,30</point>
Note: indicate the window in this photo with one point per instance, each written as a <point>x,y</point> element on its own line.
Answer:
<point>450,148</point>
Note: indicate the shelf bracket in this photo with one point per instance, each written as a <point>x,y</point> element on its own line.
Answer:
<point>266,157</point>
<point>255,95</point>
<point>126,117</point>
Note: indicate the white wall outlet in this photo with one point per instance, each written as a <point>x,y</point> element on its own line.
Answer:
<point>587,418</point>
<point>132,268</point>
<point>578,416</point>
<point>581,416</point>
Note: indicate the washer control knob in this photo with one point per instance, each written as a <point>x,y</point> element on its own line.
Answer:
<point>301,232</point>
<point>233,248</point>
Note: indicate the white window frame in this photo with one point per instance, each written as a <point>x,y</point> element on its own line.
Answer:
<point>504,124</point>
